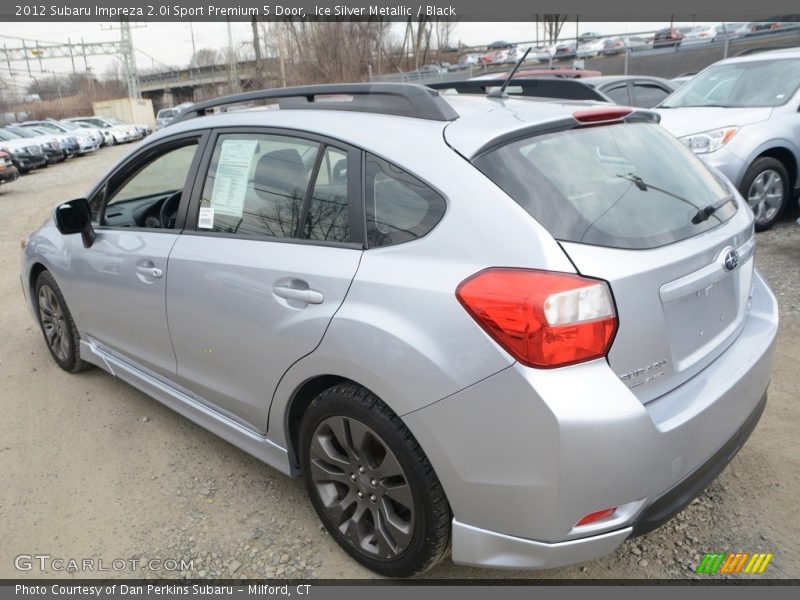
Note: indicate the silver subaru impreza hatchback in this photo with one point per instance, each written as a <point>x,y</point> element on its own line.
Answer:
<point>514,330</point>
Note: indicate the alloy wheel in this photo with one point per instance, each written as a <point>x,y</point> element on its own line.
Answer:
<point>54,322</point>
<point>362,487</point>
<point>765,196</point>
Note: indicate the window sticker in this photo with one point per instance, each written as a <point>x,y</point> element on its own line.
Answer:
<point>206,218</point>
<point>230,179</point>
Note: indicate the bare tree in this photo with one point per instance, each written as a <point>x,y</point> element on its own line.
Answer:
<point>444,29</point>
<point>204,57</point>
<point>552,26</point>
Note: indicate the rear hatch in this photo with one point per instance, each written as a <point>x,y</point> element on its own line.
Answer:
<point>626,201</point>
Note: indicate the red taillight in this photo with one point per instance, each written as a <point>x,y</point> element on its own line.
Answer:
<point>601,115</point>
<point>598,515</point>
<point>543,319</point>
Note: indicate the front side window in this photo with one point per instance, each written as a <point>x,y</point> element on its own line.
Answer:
<point>149,193</point>
<point>257,184</point>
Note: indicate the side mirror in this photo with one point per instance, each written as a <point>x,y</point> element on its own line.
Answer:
<point>75,216</point>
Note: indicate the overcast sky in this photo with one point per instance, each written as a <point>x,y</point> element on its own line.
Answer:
<point>160,44</point>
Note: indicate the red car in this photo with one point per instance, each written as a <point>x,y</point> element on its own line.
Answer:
<point>528,73</point>
<point>671,36</point>
<point>8,172</point>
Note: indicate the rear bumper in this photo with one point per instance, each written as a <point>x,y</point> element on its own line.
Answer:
<point>479,547</point>
<point>526,453</point>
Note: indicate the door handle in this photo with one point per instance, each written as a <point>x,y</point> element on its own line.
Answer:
<point>150,271</point>
<point>307,296</point>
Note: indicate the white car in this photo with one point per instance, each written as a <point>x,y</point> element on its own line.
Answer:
<point>86,142</point>
<point>703,34</point>
<point>591,49</point>
<point>120,134</point>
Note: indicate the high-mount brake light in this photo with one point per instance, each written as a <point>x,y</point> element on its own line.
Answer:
<point>543,319</point>
<point>601,115</point>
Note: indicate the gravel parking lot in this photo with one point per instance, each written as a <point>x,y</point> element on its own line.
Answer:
<point>91,468</point>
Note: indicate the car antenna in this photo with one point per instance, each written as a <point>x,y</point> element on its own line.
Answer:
<point>501,93</point>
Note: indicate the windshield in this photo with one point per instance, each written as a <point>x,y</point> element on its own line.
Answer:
<point>50,127</point>
<point>68,125</point>
<point>21,132</point>
<point>742,84</point>
<point>629,185</point>
<point>113,121</point>
<point>166,114</point>
<point>6,135</point>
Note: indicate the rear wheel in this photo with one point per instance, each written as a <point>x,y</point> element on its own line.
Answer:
<point>58,327</point>
<point>371,484</point>
<point>765,186</point>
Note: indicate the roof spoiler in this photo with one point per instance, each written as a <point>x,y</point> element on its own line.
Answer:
<point>545,87</point>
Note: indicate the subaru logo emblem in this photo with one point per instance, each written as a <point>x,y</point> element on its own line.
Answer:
<point>731,260</point>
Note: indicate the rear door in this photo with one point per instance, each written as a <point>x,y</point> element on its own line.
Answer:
<point>273,240</point>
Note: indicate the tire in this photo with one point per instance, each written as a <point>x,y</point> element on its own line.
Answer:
<point>386,465</point>
<point>765,187</point>
<point>58,327</point>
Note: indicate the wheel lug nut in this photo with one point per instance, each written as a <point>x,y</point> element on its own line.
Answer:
<point>361,469</point>
<point>352,476</point>
<point>373,498</point>
<point>373,482</point>
<point>360,494</point>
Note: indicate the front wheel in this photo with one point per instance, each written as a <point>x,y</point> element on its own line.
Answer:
<point>765,186</point>
<point>371,484</point>
<point>58,327</point>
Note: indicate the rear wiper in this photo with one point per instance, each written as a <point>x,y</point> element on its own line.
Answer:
<point>704,213</point>
<point>643,186</point>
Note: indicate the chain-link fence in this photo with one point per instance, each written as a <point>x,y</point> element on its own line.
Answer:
<point>642,53</point>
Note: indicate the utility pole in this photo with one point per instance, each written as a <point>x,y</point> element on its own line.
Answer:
<point>127,54</point>
<point>129,59</point>
<point>191,31</point>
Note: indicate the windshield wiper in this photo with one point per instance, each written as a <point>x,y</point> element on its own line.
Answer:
<point>704,213</point>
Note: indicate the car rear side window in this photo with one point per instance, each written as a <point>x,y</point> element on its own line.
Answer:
<point>399,207</point>
<point>628,185</point>
<point>647,95</point>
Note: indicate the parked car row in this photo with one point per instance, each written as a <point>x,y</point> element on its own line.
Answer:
<point>38,143</point>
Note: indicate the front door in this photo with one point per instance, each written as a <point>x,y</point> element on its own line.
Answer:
<point>119,283</point>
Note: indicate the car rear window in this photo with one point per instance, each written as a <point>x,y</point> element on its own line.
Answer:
<point>628,185</point>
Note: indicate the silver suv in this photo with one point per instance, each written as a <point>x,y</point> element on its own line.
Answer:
<point>741,116</point>
<point>524,330</point>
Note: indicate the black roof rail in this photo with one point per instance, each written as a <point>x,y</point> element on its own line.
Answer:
<point>401,99</point>
<point>544,87</point>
